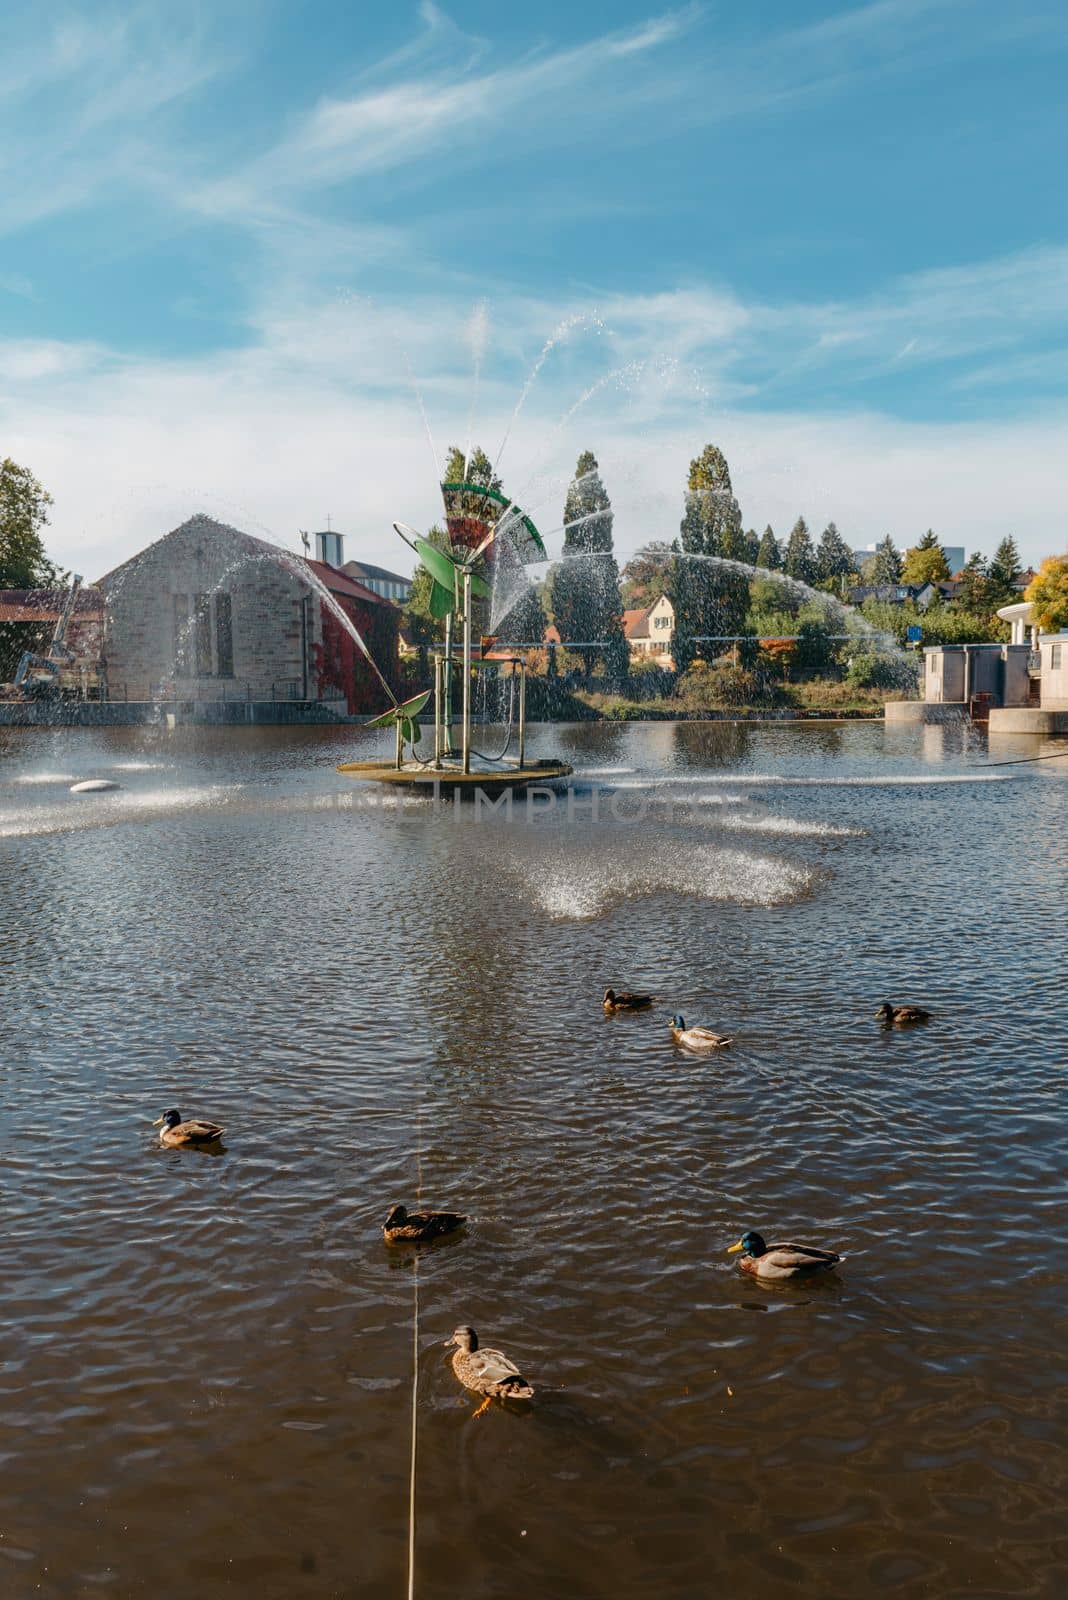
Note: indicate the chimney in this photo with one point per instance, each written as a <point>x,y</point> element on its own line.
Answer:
<point>330,547</point>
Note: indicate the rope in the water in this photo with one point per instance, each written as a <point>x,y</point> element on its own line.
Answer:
<point>1025,761</point>
<point>415,1396</point>
<point>415,1354</point>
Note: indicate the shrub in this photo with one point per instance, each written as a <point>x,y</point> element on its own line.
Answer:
<point>867,670</point>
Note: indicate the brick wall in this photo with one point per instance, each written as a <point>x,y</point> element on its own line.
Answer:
<point>275,622</point>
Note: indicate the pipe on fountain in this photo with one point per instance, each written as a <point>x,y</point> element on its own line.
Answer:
<point>447,681</point>
<point>438,674</point>
<point>522,714</point>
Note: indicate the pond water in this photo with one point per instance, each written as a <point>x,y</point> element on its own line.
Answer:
<point>206,1362</point>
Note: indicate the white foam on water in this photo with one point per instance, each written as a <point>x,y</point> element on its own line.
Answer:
<point>111,808</point>
<point>140,766</point>
<point>799,827</point>
<point>602,772</point>
<point>785,780</point>
<point>46,777</point>
<point>577,888</point>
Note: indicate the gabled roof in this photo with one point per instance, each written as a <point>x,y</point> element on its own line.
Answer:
<point>338,582</point>
<point>882,591</point>
<point>45,605</point>
<point>361,570</point>
<point>636,622</point>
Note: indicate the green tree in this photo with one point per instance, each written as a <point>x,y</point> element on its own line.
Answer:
<point>712,521</point>
<point>1048,594</point>
<point>526,622</point>
<point>1004,571</point>
<point>834,559</point>
<point>925,562</point>
<point>752,546</point>
<point>478,468</point>
<point>976,591</point>
<point>800,560</point>
<point>885,564</point>
<point>814,656</point>
<point>709,600</point>
<point>24,507</point>
<point>586,602</point>
<point>647,575</point>
<point>768,553</point>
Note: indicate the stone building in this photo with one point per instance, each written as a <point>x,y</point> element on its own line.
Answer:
<point>209,614</point>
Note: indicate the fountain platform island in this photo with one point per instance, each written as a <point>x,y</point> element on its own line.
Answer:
<point>490,779</point>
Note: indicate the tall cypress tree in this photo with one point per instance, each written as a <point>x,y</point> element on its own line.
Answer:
<point>1004,570</point>
<point>768,554</point>
<point>800,562</point>
<point>585,586</point>
<point>526,622</point>
<point>834,559</point>
<point>710,602</point>
<point>976,592</point>
<point>885,564</point>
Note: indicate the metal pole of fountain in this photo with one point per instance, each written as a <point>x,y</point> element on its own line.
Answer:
<point>447,745</point>
<point>522,714</point>
<point>438,674</point>
<point>467,672</point>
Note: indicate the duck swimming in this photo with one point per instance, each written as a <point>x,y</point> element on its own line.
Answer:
<point>780,1262</point>
<point>416,1227</point>
<point>901,1016</point>
<point>487,1372</point>
<point>697,1038</point>
<point>625,1000</point>
<point>196,1131</point>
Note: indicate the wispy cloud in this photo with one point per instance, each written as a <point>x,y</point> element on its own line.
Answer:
<point>83,99</point>
<point>378,129</point>
<point>281,421</point>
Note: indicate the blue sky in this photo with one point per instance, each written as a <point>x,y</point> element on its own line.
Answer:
<point>832,238</point>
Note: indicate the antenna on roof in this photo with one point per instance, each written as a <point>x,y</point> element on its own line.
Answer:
<point>328,527</point>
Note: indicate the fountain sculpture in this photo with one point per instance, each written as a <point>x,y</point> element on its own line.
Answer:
<point>485,530</point>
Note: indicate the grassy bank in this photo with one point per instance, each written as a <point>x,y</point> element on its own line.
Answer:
<point>816,699</point>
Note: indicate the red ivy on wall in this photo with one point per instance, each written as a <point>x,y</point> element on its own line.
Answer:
<point>339,664</point>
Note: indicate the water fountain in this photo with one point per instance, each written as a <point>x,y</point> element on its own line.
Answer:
<point>486,530</point>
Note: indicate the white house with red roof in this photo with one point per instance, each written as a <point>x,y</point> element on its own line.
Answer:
<point>649,631</point>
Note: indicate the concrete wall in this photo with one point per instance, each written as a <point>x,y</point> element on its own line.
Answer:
<point>159,638</point>
<point>943,679</point>
<point>1053,649</point>
<point>955,673</point>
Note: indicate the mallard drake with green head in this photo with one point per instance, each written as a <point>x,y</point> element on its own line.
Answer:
<point>195,1131</point>
<point>417,1227</point>
<point>487,1372</point>
<point>901,1016</point>
<point>779,1262</point>
<point>697,1038</point>
<point>625,1000</point>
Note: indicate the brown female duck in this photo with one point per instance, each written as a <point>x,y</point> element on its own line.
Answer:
<point>487,1372</point>
<point>625,1000</point>
<point>901,1016</point>
<point>418,1227</point>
